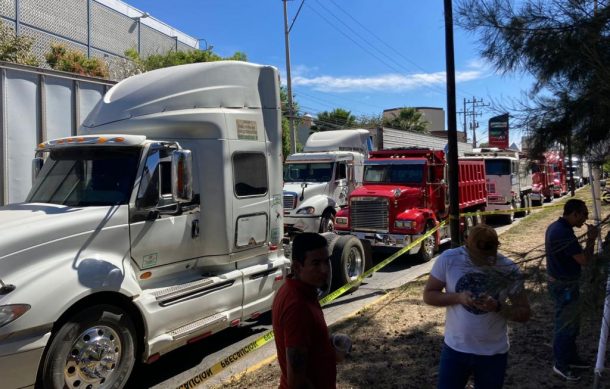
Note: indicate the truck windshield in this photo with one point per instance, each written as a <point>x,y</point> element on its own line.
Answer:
<point>396,174</point>
<point>308,172</point>
<point>83,176</point>
<point>497,167</point>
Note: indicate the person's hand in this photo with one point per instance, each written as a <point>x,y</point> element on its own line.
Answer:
<point>486,303</point>
<point>466,298</point>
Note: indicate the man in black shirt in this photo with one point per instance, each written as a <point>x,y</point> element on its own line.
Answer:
<point>564,258</point>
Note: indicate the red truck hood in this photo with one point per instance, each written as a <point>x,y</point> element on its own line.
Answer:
<point>387,191</point>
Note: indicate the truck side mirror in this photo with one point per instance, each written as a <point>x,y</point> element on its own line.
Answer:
<point>36,167</point>
<point>182,176</point>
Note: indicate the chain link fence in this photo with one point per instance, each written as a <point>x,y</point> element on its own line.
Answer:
<point>99,28</point>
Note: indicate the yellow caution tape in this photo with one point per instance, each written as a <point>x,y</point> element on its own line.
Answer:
<point>268,337</point>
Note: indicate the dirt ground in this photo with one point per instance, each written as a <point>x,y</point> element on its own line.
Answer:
<point>397,341</point>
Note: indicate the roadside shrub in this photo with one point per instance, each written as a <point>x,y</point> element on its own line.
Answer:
<point>74,61</point>
<point>16,49</point>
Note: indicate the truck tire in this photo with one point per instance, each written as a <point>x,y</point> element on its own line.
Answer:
<point>331,239</point>
<point>509,218</point>
<point>522,204</point>
<point>528,205</point>
<point>347,261</point>
<point>327,223</point>
<point>427,248</point>
<point>469,222</point>
<point>94,348</point>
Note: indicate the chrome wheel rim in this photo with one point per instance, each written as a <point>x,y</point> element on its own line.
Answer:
<point>428,245</point>
<point>93,358</point>
<point>354,263</point>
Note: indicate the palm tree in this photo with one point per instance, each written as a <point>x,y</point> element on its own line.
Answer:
<point>408,119</point>
<point>336,119</point>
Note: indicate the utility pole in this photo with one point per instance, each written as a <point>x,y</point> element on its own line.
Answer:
<point>293,136</point>
<point>474,125</point>
<point>452,157</point>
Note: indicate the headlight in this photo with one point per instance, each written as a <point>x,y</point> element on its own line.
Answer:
<point>306,211</point>
<point>8,313</point>
<point>405,224</point>
<point>341,220</point>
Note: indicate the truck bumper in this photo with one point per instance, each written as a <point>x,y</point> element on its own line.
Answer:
<point>19,361</point>
<point>385,240</point>
<point>536,196</point>
<point>301,223</point>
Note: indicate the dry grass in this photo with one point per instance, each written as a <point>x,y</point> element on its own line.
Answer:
<point>397,341</point>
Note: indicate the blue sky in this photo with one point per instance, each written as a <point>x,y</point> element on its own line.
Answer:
<point>360,55</point>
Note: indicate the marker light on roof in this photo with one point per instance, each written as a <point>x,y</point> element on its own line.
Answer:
<point>101,139</point>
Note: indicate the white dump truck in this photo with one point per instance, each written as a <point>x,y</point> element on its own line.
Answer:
<point>508,178</point>
<point>318,180</point>
<point>159,224</point>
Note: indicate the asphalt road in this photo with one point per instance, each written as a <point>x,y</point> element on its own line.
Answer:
<point>179,366</point>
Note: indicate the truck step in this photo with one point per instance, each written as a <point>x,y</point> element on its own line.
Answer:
<point>174,291</point>
<point>195,326</point>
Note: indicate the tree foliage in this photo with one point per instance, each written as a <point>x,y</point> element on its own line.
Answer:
<point>16,49</point>
<point>408,119</point>
<point>336,119</point>
<point>369,121</point>
<point>68,60</point>
<point>565,45</point>
<point>172,58</point>
<point>285,122</point>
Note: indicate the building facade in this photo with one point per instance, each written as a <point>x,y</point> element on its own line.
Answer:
<point>98,28</point>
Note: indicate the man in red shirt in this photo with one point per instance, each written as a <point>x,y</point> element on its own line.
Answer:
<point>304,349</point>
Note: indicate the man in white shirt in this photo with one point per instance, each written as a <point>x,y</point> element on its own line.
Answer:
<point>481,290</point>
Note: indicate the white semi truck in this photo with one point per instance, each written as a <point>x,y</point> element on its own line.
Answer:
<point>508,178</point>
<point>158,225</point>
<point>318,180</point>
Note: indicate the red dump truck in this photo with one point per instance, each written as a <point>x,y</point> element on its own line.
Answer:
<point>542,182</point>
<point>404,194</point>
<point>556,161</point>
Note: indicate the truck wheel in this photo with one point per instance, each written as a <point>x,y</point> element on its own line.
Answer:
<point>427,248</point>
<point>347,261</point>
<point>469,222</point>
<point>327,224</point>
<point>510,217</point>
<point>331,239</point>
<point>95,348</point>
<point>522,204</point>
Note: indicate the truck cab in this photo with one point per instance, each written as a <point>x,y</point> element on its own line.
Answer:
<point>318,180</point>
<point>158,225</point>
<point>404,194</point>
<point>508,179</point>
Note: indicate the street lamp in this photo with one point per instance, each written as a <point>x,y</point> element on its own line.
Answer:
<point>138,19</point>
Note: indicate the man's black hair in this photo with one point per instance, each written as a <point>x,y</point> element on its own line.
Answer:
<point>304,242</point>
<point>573,205</point>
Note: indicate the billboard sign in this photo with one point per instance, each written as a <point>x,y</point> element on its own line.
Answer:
<point>498,131</point>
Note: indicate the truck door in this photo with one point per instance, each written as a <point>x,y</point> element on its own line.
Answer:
<point>252,205</point>
<point>159,238</point>
<point>341,186</point>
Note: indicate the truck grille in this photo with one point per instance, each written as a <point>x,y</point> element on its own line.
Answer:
<point>290,201</point>
<point>369,213</point>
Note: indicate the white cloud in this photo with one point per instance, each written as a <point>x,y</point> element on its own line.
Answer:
<point>384,82</point>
